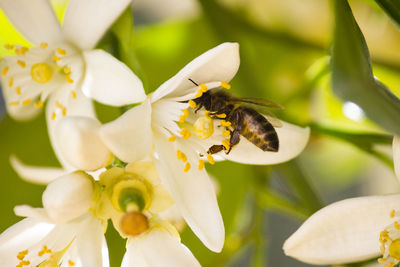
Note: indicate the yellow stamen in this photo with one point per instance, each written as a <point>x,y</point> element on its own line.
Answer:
<point>10,81</point>
<point>71,263</point>
<point>397,225</point>
<point>21,51</point>
<point>44,250</point>
<point>185,133</point>
<point>183,157</point>
<point>23,263</point>
<point>15,103</point>
<point>68,78</point>
<point>9,46</point>
<point>43,45</point>
<point>4,70</point>
<point>382,248</point>
<point>392,214</point>
<point>181,119</point>
<point>26,102</point>
<point>41,72</point>
<point>226,133</point>
<point>226,123</point>
<point>56,58</point>
<point>192,104</point>
<point>172,138</point>
<point>61,51</point>
<point>53,116</point>
<point>201,164</point>
<point>221,116</point>
<point>382,260</point>
<point>18,90</point>
<point>225,85</point>
<point>67,70</point>
<point>210,159</point>
<point>187,167</point>
<point>179,154</point>
<point>21,255</point>
<point>226,144</point>
<point>64,112</point>
<point>185,113</point>
<point>203,88</point>
<point>73,93</point>
<point>207,113</point>
<point>21,63</point>
<point>199,93</point>
<point>38,104</point>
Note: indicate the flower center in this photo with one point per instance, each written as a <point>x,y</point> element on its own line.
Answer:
<point>394,249</point>
<point>390,243</point>
<point>134,223</point>
<point>41,72</point>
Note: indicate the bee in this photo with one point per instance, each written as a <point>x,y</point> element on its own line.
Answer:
<point>244,119</point>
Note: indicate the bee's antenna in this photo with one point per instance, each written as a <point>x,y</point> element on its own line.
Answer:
<point>193,82</point>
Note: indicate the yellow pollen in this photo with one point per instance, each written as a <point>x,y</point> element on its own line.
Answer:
<point>22,263</point>
<point>226,133</point>
<point>59,105</point>
<point>185,133</point>
<point>71,263</point>
<point>394,249</point>
<point>21,51</point>
<point>183,157</point>
<point>187,167</point>
<point>203,88</point>
<point>26,102</point>
<point>210,159</point>
<point>201,164</point>
<point>64,112</point>
<point>56,58</point>
<point>68,78</point>
<point>10,81</point>
<point>397,225</point>
<point>53,116</point>
<point>192,104</point>
<point>41,72</point>
<point>18,90</point>
<point>199,93</point>
<point>73,93</point>
<point>221,116</point>
<point>382,260</point>
<point>38,104</point>
<point>226,144</point>
<point>44,250</point>
<point>43,45</point>
<point>61,51</point>
<point>226,123</point>
<point>15,103</point>
<point>21,63</point>
<point>67,70</point>
<point>392,214</point>
<point>4,70</point>
<point>185,113</point>
<point>172,138</point>
<point>21,255</point>
<point>182,119</point>
<point>9,46</point>
<point>203,127</point>
<point>179,154</point>
<point>225,85</point>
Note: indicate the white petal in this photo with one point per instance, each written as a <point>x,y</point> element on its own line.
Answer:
<point>21,112</point>
<point>33,174</point>
<point>129,137</point>
<point>343,232</point>
<point>193,193</point>
<point>80,143</point>
<point>157,248</point>
<point>35,19</point>
<point>109,81</point>
<point>90,242</point>
<point>292,141</point>
<point>86,21</point>
<point>38,214</point>
<point>396,156</point>
<point>68,196</point>
<point>218,64</point>
<point>81,106</point>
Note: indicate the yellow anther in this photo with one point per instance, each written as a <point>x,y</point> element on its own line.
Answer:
<point>382,248</point>
<point>225,85</point>
<point>210,159</point>
<point>5,70</point>
<point>221,116</point>
<point>201,164</point>
<point>68,78</point>
<point>44,250</point>
<point>382,260</point>
<point>185,133</point>
<point>10,81</point>
<point>41,72</point>
<point>64,112</point>
<point>23,263</point>
<point>226,133</point>
<point>172,138</point>
<point>15,103</point>
<point>392,214</point>
<point>21,255</point>
<point>179,154</point>
<point>203,88</point>
<point>9,46</point>
<point>59,105</point>
<point>67,70</point>
<point>203,127</point>
<point>187,167</point>
<point>21,51</point>
<point>73,93</point>
<point>192,104</point>
<point>26,102</point>
<point>397,225</point>
<point>53,116</point>
<point>226,144</point>
<point>183,157</point>
<point>56,58</point>
<point>44,45</point>
<point>21,63</point>
<point>38,104</point>
<point>207,113</point>
<point>199,93</point>
<point>18,90</point>
<point>181,119</point>
<point>185,113</point>
<point>61,51</point>
<point>71,263</point>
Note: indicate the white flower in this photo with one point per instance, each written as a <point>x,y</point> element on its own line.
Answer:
<point>351,230</point>
<point>181,139</point>
<point>62,63</point>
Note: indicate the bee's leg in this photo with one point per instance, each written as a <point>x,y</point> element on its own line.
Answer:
<point>235,134</point>
<point>215,149</point>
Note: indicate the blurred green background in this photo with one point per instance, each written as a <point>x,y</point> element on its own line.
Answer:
<point>284,48</point>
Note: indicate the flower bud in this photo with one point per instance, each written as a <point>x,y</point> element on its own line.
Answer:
<point>69,196</point>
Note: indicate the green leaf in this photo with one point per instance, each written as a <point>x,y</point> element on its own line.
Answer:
<point>391,8</point>
<point>352,77</point>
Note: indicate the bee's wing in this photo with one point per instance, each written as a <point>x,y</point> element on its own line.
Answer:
<point>259,102</point>
<point>272,119</point>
